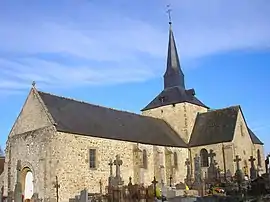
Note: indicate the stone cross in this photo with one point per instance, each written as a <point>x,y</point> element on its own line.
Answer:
<point>237,160</point>
<point>253,173</point>
<point>111,167</point>
<point>211,155</point>
<point>117,162</point>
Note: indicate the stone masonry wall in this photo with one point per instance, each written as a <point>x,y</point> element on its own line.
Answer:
<point>31,117</point>
<point>243,145</point>
<point>181,117</point>
<point>262,154</point>
<point>217,149</point>
<point>70,154</point>
<point>32,149</point>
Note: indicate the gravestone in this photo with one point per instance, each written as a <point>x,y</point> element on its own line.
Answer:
<point>238,173</point>
<point>188,176</point>
<point>111,171</point>
<point>18,186</point>
<point>84,196</point>
<point>197,173</point>
<point>212,170</point>
<point>253,171</point>
<point>115,180</point>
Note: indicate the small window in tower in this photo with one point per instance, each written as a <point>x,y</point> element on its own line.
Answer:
<point>162,99</point>
<point>173,105</point>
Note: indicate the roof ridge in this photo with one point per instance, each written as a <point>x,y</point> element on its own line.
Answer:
<point>220,109</point>
<point>95,105</point>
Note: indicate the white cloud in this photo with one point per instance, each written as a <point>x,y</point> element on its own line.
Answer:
<point>108,45</point>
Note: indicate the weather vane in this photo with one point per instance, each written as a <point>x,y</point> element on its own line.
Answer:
<point>169,13</point>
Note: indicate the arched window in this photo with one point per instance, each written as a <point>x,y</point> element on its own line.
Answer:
<point>204,158</point>
<point>144,159</point>
<point>175,159</point>
<point>259,158</point>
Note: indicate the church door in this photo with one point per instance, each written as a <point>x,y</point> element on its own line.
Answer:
<point>28,185</point>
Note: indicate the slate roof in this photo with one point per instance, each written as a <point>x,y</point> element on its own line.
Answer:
<point>254,138</point>
<point>86,119</point>
<point>174,95</point>
<point>216,127</point>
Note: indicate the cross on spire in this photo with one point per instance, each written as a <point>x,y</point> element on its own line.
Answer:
<point>169,13</point>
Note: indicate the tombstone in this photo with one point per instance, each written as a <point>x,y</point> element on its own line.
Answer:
<point>253,171</point>
<point>111,171</point>
<point>238,173</point>
<point>188,176</point>
<point>118,162</point>
<point>18,186</point>
<point>197,172</point>
<point>84,196</point>
<point>212,170</point>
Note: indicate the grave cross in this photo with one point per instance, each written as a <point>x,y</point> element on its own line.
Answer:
<point>117,162</point>
<point>253,173</point>
<point>251,160</point>
<point>237,160</point>
<point>111,169</point>
<point>154,182</point>
<point>211,155</point>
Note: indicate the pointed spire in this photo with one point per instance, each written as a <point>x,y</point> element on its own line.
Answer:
<point>173,75</point>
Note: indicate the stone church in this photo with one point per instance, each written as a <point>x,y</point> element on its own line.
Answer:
<point>75,141</point>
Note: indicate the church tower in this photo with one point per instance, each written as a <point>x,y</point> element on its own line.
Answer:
<point>176,105</point>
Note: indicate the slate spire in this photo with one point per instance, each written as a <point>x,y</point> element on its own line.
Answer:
<point>173,75</point>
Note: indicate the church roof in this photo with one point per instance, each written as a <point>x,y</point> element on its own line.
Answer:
<point>174,81</point>
<point>174,95</point>
<point>82,118</point>
<point>254,138</point>
<point>216,127</point>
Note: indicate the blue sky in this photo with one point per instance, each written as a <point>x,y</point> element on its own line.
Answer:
<point>113,53</point>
